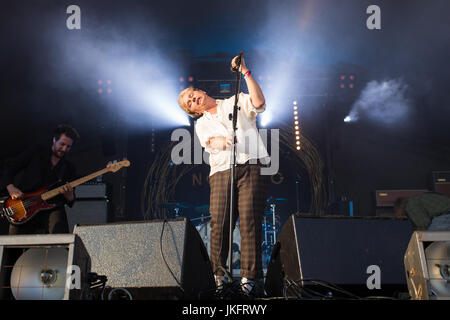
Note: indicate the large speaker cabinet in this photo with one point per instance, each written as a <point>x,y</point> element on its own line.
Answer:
<point>159,259</point>
<point>338,250</point>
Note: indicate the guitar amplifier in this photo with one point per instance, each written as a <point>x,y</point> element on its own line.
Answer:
<point>441,182</point>
<point>88,211</point>
<point>387,198</point>
<point>91,190</point>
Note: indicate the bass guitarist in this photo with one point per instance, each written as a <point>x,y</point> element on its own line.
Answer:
<point>43,167</point>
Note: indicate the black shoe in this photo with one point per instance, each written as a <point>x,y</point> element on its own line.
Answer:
<point>252,287</point>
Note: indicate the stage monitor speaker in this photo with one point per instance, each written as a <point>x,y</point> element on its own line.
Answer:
<point>87,212</point>
<point>338,250</point>
<point>160,259</point>
<point>427,265</point>
<point>35,267</point>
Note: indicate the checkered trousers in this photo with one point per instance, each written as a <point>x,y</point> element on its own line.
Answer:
<point>251,193</point>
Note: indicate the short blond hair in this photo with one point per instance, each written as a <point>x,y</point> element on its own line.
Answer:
<point>185,107</point>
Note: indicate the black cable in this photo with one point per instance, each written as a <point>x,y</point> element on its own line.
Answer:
<point>299,291</point>
<point>334,287</point>
<point>164,259</point>
<point>320,283</point>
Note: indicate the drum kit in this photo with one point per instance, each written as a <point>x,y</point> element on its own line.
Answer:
<point>270,228</point>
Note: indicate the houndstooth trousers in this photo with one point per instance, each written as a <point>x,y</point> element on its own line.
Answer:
<point>251,193</point>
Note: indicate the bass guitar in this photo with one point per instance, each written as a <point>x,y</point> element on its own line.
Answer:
<point>20,211</point>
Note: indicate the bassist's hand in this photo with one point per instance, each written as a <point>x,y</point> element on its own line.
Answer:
<point>14,192</point>
<point>67,192</point>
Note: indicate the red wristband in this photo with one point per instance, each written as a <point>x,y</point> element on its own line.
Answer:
<point>248,73</point>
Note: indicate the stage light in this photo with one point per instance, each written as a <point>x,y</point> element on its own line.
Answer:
<point>296,123</point>
<point>342,86</point>
<point>342,77</point>
<point>100,83</point>
<point>347,119</point>
<point>191,79</point>
<point>265,119</point>
<point>181,79</point>
<point>351,85</point>
<point>352,77</point>
<point>153,140</point>
<point>101,87</point>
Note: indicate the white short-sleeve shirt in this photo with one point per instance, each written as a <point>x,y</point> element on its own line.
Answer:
<point>249,143</point>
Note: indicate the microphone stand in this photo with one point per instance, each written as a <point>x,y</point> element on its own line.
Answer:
<point>233,118</point>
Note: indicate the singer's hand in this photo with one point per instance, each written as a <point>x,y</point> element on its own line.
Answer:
<point>243,68</point>
<point>220,143</point>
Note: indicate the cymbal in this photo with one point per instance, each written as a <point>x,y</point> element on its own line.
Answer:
<point>202,207</point>
<point>174,205</point>
<point>276,199</point>
<point>201,218</point>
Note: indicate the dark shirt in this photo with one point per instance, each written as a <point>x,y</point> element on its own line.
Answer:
<point>38,172</point>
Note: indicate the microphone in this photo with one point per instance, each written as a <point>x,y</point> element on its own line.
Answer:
<point>238,63</point>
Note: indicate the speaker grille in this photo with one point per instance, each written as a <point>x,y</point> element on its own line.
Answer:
<point>130,255</point>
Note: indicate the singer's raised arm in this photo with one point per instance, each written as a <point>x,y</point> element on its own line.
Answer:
<point>254,90</point>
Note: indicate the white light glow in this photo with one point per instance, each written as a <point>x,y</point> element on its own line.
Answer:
<point>265,118</point>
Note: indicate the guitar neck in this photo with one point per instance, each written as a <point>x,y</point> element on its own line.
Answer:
<point>54,192</point>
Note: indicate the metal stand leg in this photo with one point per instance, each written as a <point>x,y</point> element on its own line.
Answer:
<point>273,223</point>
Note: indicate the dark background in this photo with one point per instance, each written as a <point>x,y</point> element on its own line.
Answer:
<point>296,50</point>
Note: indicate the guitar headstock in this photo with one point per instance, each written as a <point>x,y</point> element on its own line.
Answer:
<point>115,165</point>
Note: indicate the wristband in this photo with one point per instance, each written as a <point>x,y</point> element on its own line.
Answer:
<point>248,73</point>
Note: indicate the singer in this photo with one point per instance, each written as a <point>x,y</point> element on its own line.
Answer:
<point>214,130</point>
